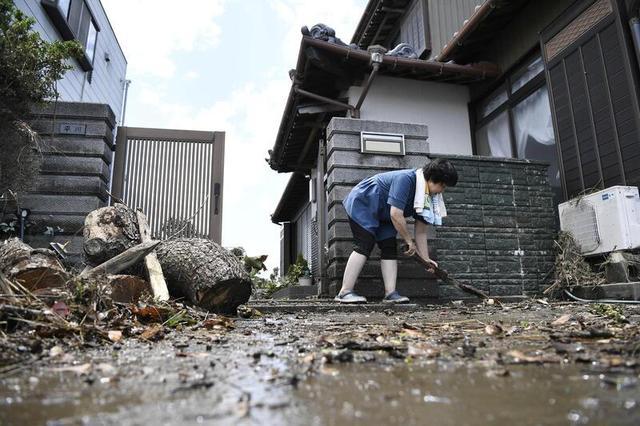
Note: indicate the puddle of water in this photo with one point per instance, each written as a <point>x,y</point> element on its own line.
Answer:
<point>439,395</point>
<point>372,394</point>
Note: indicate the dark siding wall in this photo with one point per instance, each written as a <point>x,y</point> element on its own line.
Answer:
<point>593,99</point>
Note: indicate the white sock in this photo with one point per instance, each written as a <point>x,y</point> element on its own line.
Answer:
<point>352,271</point>
<point>389,269</point>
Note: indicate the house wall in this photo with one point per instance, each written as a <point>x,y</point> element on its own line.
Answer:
<point>107,81</point>
<point>499,232</point>
<point>303,229</point>
<point>442,107</point>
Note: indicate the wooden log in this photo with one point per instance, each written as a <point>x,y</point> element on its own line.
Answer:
<point>33,268</point>
<point>127,288</point>
<point>205,274</point>
<point>154,270</point>
<point>109,231</point>
<point>122,261</point>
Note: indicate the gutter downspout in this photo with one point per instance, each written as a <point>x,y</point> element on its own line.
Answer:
<point>377,53</point>
<point>124,104</point>
<point>458,39</point>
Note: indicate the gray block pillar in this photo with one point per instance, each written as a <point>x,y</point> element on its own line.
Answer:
<point>74,178</point>
<point>346,166</point>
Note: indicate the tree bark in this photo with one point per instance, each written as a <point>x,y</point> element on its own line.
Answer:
<point>33,268</point>
<point>109,231</point>
<point>127,288</point>
<point>205,274</point>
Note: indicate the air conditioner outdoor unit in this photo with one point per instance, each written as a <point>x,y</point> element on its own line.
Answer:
<point>604,221</point>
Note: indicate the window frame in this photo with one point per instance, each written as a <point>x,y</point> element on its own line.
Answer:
<point>513,99</point>
<point>66,29</point>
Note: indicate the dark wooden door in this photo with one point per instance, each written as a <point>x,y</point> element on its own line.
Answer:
<point>591,75</point>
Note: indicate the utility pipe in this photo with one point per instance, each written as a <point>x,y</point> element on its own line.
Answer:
<point>615,301</point>
<point>365,90</point>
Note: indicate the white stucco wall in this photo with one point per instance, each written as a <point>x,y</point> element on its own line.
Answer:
<point>443,107</point>
<point>107,83</point>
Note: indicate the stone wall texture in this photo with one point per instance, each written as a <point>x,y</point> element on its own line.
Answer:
<point>74,178</point>
<point>498,235</point>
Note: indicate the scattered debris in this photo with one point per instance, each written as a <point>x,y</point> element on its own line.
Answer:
<point>571,269</point>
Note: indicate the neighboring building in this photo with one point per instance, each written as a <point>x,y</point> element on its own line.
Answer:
<point>100,76</point>
<point>551,81</point>
<point>78,131</point>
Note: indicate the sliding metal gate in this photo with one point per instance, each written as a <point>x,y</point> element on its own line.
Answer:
<point>174,176</point>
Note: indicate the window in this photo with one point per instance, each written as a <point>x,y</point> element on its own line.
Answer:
<point>492,139</point>
<point>74,21</point>
<point>64,5</point>
<point>92,38</point>
<point>515,120</point>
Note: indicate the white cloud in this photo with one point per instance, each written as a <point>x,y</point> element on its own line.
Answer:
<point>250,115</point>
<point>192,75</point>
<point>343,16</point>
<point>151,32</point>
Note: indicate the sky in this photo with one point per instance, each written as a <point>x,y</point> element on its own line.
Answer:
<point>222,65</point>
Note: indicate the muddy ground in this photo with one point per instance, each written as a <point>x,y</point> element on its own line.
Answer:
<point>528,363</point>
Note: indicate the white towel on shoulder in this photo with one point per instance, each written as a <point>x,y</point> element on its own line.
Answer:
<point>418,199</point>
<point>439,209</point>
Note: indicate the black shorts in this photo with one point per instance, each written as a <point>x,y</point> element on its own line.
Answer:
<point>365,240</point>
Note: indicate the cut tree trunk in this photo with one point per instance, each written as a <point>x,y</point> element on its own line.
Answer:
<point>109,231</point>
<point>33,268</point>
<point>205,274</point>
<point>127,288</point>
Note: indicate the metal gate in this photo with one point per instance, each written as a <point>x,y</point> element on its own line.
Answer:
<point>175,177</point>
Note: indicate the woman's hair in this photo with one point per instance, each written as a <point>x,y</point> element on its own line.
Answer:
<point>440,171</point>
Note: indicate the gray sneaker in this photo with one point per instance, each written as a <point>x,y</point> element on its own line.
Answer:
<point>394,297</point>
<point>350,297</point>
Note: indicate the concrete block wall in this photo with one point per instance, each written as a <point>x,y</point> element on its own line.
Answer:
<point>501,226</point>
<point>498,235</point>
<point>77,142</point>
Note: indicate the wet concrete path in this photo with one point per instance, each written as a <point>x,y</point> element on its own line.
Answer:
<point>448,365</point>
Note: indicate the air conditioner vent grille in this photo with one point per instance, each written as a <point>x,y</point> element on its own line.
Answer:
<point>582,223</point>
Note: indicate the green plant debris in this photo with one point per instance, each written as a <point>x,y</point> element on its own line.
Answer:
<point>613,312</point>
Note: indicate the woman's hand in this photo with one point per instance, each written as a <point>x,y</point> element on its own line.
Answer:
<point>432,263</point>
<point>410,249</point>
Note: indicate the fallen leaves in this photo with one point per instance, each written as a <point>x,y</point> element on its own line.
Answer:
<point>153,332</point>
<point>493,329</point>
<point>115,335</point>
<point>561,320</point>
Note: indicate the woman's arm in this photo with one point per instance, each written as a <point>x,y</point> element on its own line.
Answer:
<point>422,246</point>
<point>400,223</point>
